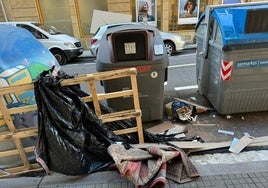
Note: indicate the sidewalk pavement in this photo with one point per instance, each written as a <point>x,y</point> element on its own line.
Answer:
<point>239,174</point>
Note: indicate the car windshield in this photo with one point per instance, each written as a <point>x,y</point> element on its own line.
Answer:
<point>48,28</point>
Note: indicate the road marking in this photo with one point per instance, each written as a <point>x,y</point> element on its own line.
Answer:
<point>185,87</point>
<point>184,65</point>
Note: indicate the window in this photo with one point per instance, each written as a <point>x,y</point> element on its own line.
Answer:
<point>86,9</point>
<point>57,13</point>
<point>35,32</point>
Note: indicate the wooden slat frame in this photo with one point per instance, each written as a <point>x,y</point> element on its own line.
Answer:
<point>17,134</point>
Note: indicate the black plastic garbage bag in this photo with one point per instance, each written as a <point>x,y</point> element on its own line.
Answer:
<point>72,140</point>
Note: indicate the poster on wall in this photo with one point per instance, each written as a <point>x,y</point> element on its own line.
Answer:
<point>146,11</point>
<point>188,11</point>
<point>230,1</point>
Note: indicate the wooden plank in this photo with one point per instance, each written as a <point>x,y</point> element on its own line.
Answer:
<point>20,133</point>
<point>126,131</point>
<point>160,128</point>
<point>116,94</point>
<point>15,151</point>
<point>134,87</point>
<point>21,109</point>
<point>16,134</point>
<point>260,139</point>
<point>194,104</point>
<point>21,169</point>
<point>16,88</point>
<point>186,145</point>
<point>194,146</point>
<point>116,116</point>
<point>107,75</point>
<point>94,95</point>
<point>259,144</point>
<point>6,115</point>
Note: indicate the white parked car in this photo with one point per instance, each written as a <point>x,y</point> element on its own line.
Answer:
<point>62,46</point>
<point>173,42</point>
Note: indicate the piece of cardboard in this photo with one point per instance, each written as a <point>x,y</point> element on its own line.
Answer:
<point>160,128</point>
<point>238,145</point>
<point>100,18</point>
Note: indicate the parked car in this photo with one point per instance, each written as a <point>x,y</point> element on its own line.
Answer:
<point>173,42</point>
<point>62,46</point>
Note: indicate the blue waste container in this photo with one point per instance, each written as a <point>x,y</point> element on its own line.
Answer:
<point>22,59</point>
<point>232,58</point>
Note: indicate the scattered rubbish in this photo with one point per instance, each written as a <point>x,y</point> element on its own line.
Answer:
<point>181,111</point>
<point>225,132</point>
<point>228,117</point>
<point>199,108</point>
<point>242,117</point>
<point>165,131</point>
<point>194,118</point>
<point>246,134</point>
<point>168,110</point>
<point>160,128</point>
<point>238,145</point>
<point>176,129</point>
<point>196,146</point>
<point>193,98</point>
<point>151,167</point>
<point>205,124</point>
<point>178,111</point>
<point>179,136</point>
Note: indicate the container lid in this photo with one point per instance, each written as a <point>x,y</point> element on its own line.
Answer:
<point>242,24</point>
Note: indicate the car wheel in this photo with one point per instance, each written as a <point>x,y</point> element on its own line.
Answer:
<point>169,47</point>
<point>60,56</point>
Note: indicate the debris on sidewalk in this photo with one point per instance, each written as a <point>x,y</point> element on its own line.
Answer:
<point>168,128</point>
<point>196,146</point>
<point>238,145</point>
<point>160,128</point>
<point>151,167</point>
<point>228,116</point>
<point>205,124</point>
<point>178,111</point>
<point>226,132</point>
<point>184,110</point>
<point>199,108</point>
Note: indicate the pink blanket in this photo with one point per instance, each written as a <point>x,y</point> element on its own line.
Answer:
<point>151,167</point>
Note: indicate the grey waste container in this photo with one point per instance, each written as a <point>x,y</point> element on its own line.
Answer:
<point>232,58</point>
<point>142,47</point>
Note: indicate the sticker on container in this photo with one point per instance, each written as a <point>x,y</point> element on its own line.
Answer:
<point>130,48</point>
<point>154,74</point>
<point>158,49</point>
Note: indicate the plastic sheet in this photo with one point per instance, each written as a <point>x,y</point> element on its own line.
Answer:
<point>72,140</point>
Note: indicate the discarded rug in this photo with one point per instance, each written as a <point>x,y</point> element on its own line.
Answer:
<point>150,168</point>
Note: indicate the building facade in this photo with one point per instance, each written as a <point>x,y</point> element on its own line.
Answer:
<point>74,17</point>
